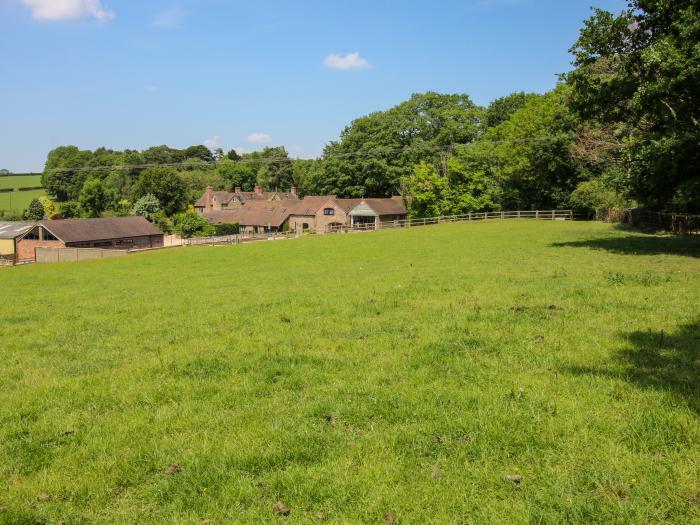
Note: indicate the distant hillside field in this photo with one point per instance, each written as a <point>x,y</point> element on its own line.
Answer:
<point>361,378</point>
<point>19,200</point>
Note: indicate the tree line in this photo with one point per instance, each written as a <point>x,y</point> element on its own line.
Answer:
<point>621,129</point>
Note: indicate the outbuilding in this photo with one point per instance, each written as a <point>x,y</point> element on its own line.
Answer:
<point>10,233</point>
<point>120,233</point>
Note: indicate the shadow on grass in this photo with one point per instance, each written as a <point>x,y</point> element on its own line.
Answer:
<point>640,244</point>
<point>659,361</point>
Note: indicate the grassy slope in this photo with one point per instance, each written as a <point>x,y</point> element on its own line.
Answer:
<point>402,371</point>
<point>19,200</point>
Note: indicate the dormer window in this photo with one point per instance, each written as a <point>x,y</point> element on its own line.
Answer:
<point>328,211</point>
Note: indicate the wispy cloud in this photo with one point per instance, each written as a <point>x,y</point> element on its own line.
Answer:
<point>259,137</point>
<point>151,88</point>
<point>68,9</point>
<point>347,62</point>
<point>171,17</point>
<point>213,142</point>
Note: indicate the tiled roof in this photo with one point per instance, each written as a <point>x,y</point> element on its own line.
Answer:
<point>82,230</point>
<point>254,213</point>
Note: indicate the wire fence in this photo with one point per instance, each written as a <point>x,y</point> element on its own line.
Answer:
<point>679,223</point>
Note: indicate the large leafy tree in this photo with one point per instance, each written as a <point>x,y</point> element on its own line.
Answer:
<point>165,184</point>
<point>376,151</point>
<point>502,108</point>
<point>273,168</point>
<point>94,198</point>
<point>65,172</point>
<point>640,71</point>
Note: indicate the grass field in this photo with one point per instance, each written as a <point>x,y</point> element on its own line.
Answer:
<point>19,200</point>
<point>400,373</point>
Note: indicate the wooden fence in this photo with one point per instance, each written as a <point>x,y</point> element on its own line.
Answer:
<point>543,215</point>
<point>680,223</point>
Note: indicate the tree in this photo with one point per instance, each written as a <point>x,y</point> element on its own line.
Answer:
<point>189,224</point>
<point>502,108</point>
<point>49,207</point>
<point>165,184</point>
<point>69,210</point>
<point>233,155</point>
<point>198,152</point>
<point>93,198</point>
<point>273,167</point>
<point>35,211</point>
<point>377,151</point>
<point>147,206</point>
<point>238,174</point>
<point>529,155</point>
<point>641,71</point>
<point>65,172</point>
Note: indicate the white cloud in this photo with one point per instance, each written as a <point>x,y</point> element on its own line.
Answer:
<point>68,9</point>
<point>240,150</point>
<point>151,88</point>
<point>213,142</point>
<point>259,137</point>
<point>349,61</point>
<point>170,17</point>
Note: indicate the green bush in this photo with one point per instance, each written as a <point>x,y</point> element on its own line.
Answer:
<point>231,228</point>
<point>189,224</point>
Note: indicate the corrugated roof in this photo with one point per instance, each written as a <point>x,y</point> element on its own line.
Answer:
<point>12,229</point>
<point>391,206</point>
<point>83,230</point>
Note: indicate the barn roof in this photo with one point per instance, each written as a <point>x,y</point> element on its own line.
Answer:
<point>82,230</point>
<point>13,229</point>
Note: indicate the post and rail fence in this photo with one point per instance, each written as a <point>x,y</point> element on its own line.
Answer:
<point>544,215</point>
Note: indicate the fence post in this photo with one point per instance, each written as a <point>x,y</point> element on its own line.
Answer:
<point>537,214</point>
<point>553,214</point>
<point>503,215</point>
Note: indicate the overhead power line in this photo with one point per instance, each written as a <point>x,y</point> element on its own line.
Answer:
<point>378,152</point>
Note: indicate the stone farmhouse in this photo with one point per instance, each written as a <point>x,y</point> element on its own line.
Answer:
<point>259,211</point>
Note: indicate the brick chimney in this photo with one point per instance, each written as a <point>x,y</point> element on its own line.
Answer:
<point>209,199</point>
<point>258,189</point>
<point>293,191</point>
<point>237,189</point>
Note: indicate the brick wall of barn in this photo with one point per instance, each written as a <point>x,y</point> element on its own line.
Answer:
<point>25,248</point>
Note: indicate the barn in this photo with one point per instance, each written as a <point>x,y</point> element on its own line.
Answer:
<point>120,233</point>
<point>10,233</point>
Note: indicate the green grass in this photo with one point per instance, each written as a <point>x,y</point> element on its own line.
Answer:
<point>20,181</point>
<point>356,375</point>
<point>18,201</point>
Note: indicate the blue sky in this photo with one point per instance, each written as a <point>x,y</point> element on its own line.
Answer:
<point>137,73</point>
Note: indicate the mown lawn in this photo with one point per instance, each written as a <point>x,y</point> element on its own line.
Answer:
<point>397,375</point>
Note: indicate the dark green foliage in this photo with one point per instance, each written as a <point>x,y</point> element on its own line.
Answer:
<point>165,184</point>
<point>273,168</point>
<point>376,151</point>
<point>94,198</point>
<point>35,211</point>
<point>238,174</point>
<point>190,224</point>
<point>503,108</point>
<point>227,229</point>
<point>233,155</point>
<point>641,70</point>
<point>69,209</point>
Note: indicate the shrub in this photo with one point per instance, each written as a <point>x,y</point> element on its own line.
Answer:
<point>189,224</point>
<point>35,211</point>
<point>227,229</point>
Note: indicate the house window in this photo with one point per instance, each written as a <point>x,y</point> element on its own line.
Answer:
<point>329,211</point>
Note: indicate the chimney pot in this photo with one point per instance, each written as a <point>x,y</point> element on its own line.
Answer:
<point>294,191</point>
<point>258,189</point>
<point>237,189</point>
